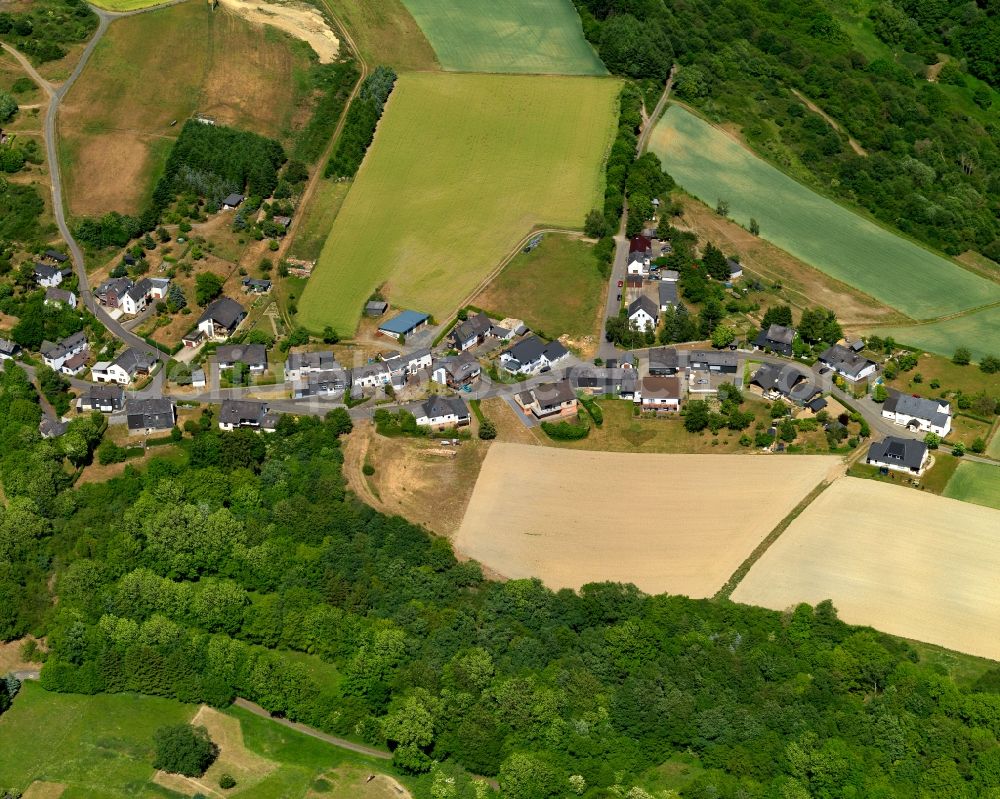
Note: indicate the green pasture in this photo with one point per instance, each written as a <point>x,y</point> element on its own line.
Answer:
<point>979,332</point>
<point>520,36</point>
<point>462,167</point>
<point>975,482</point>
<point>127,5</point>
<point>710,165</point>
<point>993,447</point>
<point>100,747</point>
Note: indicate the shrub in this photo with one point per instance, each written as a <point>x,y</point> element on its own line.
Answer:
<point>183,749</point>
<point>110,452</point>
<point>226,781</point>
<point>368,470</point>
<point>962,356</point>
<point>565,431</point>
<point>487,430</point>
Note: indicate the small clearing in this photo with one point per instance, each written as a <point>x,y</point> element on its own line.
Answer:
<point>40,789</point>
<point>10,657</point>
<point>299,19</point>
<point>904,561</point>
<point>572,517</point>
<point>355,783</point>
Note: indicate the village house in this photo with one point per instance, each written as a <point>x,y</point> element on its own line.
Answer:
<point>777,338</point>
<point>471,332</point>
<point>49,427</point>
<point>404,324</point>
<point>111,292</point>
<point>900,454</point>
<point>440,412</point>
<point>643,314</point>
<point>125,368</point>
<point>139,295</point>
<point>612,381</point>
<point>145,416</point>
<point>218,321</point>
<point>410,363</point>
<point>668,295</point>
<point>237,414</point>
<point>232,202</point>
<point>664,361</point>
<point>712,361</point>
<point>327,383</point>
<point>640,253</point>
<point>456,372</point>
<point>735,269</point>
<point>8,349</point>
<point>253,355</point>
<point>549,400</point>
<point>299,364</point>
<point>847,363</point>
<point>371,375</point>
<point>103,398</point>
<point>55,255</point>
<point>918,413</point>
<point>55,355</point>
<point>48,276</point>
<point>60,297</point>
<point>252,285</point>
<point>660,394</point>
<point>531,355</point>
<point>785,381</point>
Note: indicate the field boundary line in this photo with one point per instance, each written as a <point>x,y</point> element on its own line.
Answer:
<point>729,586</point>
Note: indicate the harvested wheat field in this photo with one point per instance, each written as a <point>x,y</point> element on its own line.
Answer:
<point>668,523</point>
<point>910,563</point>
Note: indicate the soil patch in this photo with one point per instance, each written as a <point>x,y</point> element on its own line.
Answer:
<point>300,20</point>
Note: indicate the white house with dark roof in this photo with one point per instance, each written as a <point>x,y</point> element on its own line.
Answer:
<point>55,355</point>
<point>440,412</point>
<point>668,295</point>
<point>371,375</point>
<point>220,319</point>
<point>471,332</point>
<point>103,398</point>
<point>232,202</point>
<point>531,355</point>
<point>549,400</point>
<point>48,276</point>
<point>150,415</point>
<point>659,393</point>
<point>643,313</point>
<point>777,338</point>
<point>253,355</point>
<point>847,363</point>
<point>457,371</point>
<point>8,349</point>
<point>139,295</point>
<point>328,383</point>
<point>60,297</point>
<point>901,454</point>
<point>784,381</point>
<point>299,364</point>
<point>123,369</point>
<point>918,413</point>
<point>237,414</point>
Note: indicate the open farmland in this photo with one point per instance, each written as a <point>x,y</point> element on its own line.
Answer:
<point>710,165</point>
<point>910,563</point>
<point>385,32</point>
<point>573,517</point>
<point>979,332</point>
<point>521,36</point>
<point>462,167</point>
<point>975,482</point>
<point>115,126</point>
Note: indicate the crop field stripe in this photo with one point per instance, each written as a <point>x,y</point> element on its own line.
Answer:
<point>461,168</point>
<point>978,483</point>
<point>979,331</point>
<point>710,165</point>
<point>507,36</point>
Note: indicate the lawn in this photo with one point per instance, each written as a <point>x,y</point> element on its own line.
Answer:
<point>126,5</point>
<point>462,167</point>
<point>100,747</point>
<point>320,213</point>
<point>976,482</point>
<point>385,33</point>
<point>520,36</point>
<point>993,448</point>
<point>153,70</point>
<point>710,165</point>
<point>952,377</point>
<point>556,288</point>
<point>976,331</point>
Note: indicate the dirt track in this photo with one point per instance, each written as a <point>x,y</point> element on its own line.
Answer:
<point>677,523</point>
<point>910,563</point>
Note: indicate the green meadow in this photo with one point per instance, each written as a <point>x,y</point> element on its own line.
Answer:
<point>519,36</point>
<point>975,482</point>
<point>979,332</point>
<point>712,166</point>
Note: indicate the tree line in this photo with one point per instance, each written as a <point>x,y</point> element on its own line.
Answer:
<point>359,127</point>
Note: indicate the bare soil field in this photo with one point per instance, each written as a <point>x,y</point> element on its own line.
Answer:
<point>910,563</point>
<point>44,790</point>
<point>299,19</point>
<point>575,517</point>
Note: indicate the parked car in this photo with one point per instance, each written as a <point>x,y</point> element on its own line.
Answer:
<point>621,283</point>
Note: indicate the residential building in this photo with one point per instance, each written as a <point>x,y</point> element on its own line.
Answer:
<point>232,202</point>
<point>847,363</point>
<point>220,319</point>
<point>125,368</point>
<point>103,398</point>
<point>321,384</point>
<point>712,361</point>
<point>777,338</point>
<point>918,413</point>
<point>252,285</point>
<point>668,295</point>
<point>299,364</point>
<point>51,428</point>
<point>549,400</point>
<point>60,297</point>
<point>139,295</point>
<point>440,412</point>
<point>531,355</point>
<point>664,361</point>
<point>55,355</point>
<point>371,375</point>
<point>55,255</point>
<point>48,276</point>
<point>150,415</point>
<point>471,332</point>
<point>75,364</point>
<point>735,269</point>
<point>615,381</point>
<point>456,372</point>
<point>901,454</point>
<point>253,355</point>
<point>235,414</point>
<point>404,324</point>
<point>643,313</point>
<point>8,349</point>
<point>660,393</point>
<point>111,292</point>
<point>784,381</point>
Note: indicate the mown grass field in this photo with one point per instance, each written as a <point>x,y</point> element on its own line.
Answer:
<point>126,5</point>
<point>520,36</point>
<point>556,288</point>
<point>979,332</point>
<point>712,166</point>
<point>101,747</point>
<point>385,33</point>
<point>152,69</point>
<point>462,167</point>
<point>975,482</point>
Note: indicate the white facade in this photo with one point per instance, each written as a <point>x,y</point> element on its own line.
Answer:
<point>108,372</point>
<point>641,319</point>
<point>940,426</point>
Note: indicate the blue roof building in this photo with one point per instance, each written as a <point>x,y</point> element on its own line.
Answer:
<point>404,324</point>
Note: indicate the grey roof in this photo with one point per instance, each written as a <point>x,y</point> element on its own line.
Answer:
<point>438,406</point>
<point>233,199</point>
<point>554,351</point>
<point>317,361</point>
<point>51,428</point>
<point>817,404</point>
<point>473,327</point>
<point>713,358</point>
<point>734,266</point>
<point>237,412</point>
<point>55,255</point>
<point>783,378</point>
<point>845,360</point>
<point>378,368</point>
<point>250,354</point>
<point>46,271</point>
<point>255,283</point>
<point>224,311</point>
<point>150,414</point>
<point>527,350</point>
<point>133,360</point>
<point>416,355</point>
<point>64,346</point>
<point>906,452</point>
<point>663,358</point>
<point>550,395</point>
<point>119,285</point>
<point>376,305</point>
<point>461,367</point>
<point>643,303</point>
<point>59,295</point>
<point>138,291</point>
<point>8,347</point>
<point>668,293</point>
<point>919,407</point>
<point>780,333</point>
